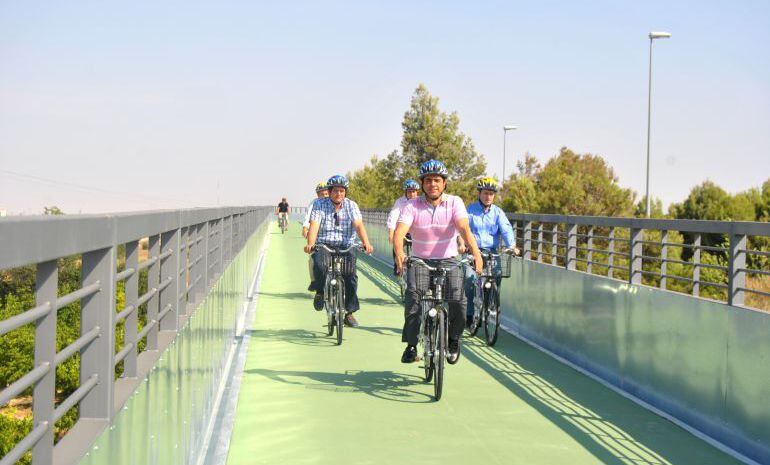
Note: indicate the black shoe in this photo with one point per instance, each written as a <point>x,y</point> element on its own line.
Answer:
<point>409,355</point>
<point>469,321</point>
<point>318,301</point>
<point>350,320</point>
<point>454,351</point>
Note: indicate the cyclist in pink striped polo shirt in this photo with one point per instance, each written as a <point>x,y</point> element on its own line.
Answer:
<point>434,220</point>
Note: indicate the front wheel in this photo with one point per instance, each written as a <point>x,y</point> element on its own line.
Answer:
<point>478,310</point>
<point>439,354</point>
<point>427,345</point>
<point>340,308</point>
<point>491,316</point>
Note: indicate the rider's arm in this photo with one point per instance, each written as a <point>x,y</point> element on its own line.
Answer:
<point>465,232</point>
<point>398,238</point>
<point>506,230</point>
<point>361,230</point>
<point>312,235</point>
<point>392,219</point>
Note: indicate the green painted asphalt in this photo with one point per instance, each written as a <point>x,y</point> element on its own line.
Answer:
<point>304,400</point>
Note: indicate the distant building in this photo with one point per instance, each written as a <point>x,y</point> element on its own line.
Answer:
<point>3,212</point>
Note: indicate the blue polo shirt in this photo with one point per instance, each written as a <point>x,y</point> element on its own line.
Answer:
<point>488,225</point>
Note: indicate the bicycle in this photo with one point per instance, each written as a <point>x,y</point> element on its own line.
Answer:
<point>402,277</point>
<point>486,301</point>
<point>282,223</point>
<point>433,338</point>
<point>334,288</point>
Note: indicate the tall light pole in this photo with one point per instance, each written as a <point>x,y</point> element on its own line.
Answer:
<point>653,36</point>
<point>505,130</point>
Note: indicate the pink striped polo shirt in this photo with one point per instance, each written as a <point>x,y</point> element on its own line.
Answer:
<point>433,229</point>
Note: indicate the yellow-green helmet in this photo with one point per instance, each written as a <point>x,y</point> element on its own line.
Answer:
<point>321,186</point>
<point>488,184</point>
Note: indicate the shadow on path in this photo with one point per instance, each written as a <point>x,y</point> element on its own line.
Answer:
<point>294,336</point>
<point>386,385</point>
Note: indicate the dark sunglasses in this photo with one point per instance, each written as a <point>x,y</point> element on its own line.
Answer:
<point>336,219</point>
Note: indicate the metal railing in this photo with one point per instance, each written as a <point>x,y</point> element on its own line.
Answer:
<point>720,260</point>
<point>186,251</point>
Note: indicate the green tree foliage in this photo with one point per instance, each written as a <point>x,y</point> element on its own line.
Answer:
<point>707,201</point>
<point>656,208</point>
<point>569,184</point>
<point>428,133</point>
<point>52,210</point>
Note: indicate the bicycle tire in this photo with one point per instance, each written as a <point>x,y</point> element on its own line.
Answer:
<point>477,312</point>
<point>439,355</point>
<point>426,345</point>
<point>340,308</point>
<point>491,306</point>
<point>329,304</point>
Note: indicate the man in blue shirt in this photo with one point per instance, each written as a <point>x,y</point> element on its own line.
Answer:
<point>488,224</point>
<point>334,222</point>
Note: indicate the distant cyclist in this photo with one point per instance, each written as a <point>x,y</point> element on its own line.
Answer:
<point>411,190</point>
<point>282,210</point>
<point>434,219</point>
<point>488,224</point>
<point>334,222</point>
<point>321,192</point>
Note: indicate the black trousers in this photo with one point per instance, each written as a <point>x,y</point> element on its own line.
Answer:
<point>417,282</point>
<point>321,260</point>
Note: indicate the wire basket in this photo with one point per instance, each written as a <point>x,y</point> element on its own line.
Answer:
<point>347,265</point>
<point>452,288</point>
<point>498,267</point>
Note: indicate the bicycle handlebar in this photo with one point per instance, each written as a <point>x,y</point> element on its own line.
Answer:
<point>419,261</point>
<point>329,249</point>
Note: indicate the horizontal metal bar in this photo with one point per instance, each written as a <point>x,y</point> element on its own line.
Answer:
<point>200,238</point>
<point>76,396</point>
<point>146,329</point>
<point>757,252</point>
<point>123,352</point>
<point>146,263</point>
<point>605,265</point>
<point>18,386</point>
<point>165,283</point>
<point>126,311</point>
<point>200,257</point>
<point>165,254</point>
<point>753,291</point>
<point>681,262</point>
<point>147,296</point>
<point>76,345</point>
<point>214,248</point>
<point>602,251</point>
<point>709,283</point>
<point>128,272</point>
<point>25,444</point>
<point>164,311</point>
<point>17,321</point>
<point>65,300</point>
<point>751,271</point>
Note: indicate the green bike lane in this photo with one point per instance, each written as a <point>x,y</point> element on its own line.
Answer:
<point>305,400</point>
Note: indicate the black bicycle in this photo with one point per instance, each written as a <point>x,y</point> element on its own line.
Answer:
<point>283,222</point>
<point>433,339</point>
<point>486,300</point>
<point>339,265</point>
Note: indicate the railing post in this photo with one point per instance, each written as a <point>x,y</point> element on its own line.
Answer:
<point>611,252</point>
<point>206,252</point>
<point>696,254</point>
<point>737,277</point>
<point>527,253</point>
<point>571,250</point>
<point>169,268</point>
<point>98,310</point>
<point>589,246</point>
<point>132,294</point>
<point>153,281</point>
<point>540,242</point>
<point>45,353</point>
<point>663,259</point>
<point>554,244</point>
<point>635,255</point>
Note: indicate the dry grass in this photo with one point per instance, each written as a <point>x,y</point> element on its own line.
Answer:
<point>760,283</point>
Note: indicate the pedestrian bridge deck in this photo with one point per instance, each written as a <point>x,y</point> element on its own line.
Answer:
<point>304,400</point>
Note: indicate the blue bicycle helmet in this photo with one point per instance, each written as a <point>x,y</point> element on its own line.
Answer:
<point>411,184</point>
<point>433,167</point>
<point>337,181</point>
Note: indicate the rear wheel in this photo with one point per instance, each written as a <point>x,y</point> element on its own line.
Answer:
<point>491,316</point>
<point>439,354</point>
<point>478,304</point>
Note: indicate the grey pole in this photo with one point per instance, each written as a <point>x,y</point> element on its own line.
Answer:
<point>505,130</point>
<point>653,36</point>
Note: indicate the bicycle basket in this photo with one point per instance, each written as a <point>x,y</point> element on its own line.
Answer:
<point>500,266</point>
<point>452,286</point>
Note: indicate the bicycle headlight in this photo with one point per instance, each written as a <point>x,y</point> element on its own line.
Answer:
<point>432,313</point>
<point>334,282</point>
<point>487,285</point>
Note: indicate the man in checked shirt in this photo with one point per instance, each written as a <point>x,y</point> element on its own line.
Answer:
<point>334,222</point>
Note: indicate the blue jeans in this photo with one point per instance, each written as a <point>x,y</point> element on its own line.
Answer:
<point>472,282</point>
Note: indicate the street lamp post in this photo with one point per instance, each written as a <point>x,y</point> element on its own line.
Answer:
<point>653,36</point>
<point>505,130</point>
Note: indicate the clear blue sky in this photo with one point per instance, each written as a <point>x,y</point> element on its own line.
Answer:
<point>152,104</point>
